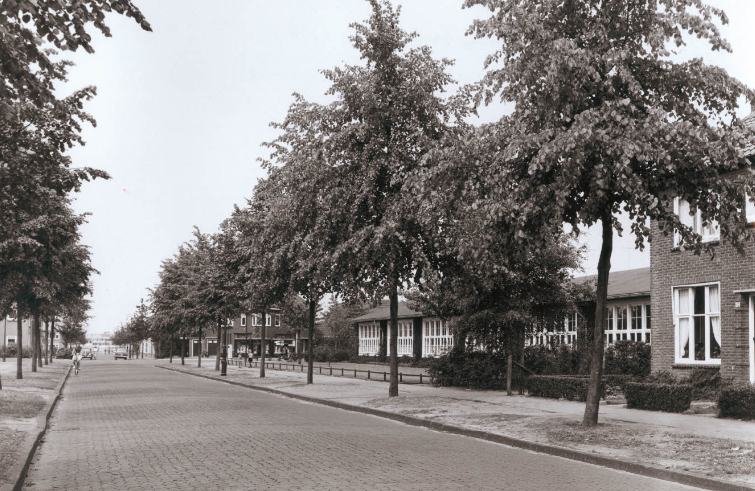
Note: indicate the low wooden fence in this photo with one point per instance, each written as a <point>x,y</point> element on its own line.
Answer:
<point>518,372</point>
<point>382,376</point>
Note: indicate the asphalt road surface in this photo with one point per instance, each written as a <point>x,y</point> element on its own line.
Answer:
<point>128,425</point>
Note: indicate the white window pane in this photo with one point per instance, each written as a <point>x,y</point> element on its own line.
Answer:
<point>684,214</point>
<point>683,338</point>
<point>715,342</point>
<point>750,209</point>
<point>684,303</point>
<point>714,302</point>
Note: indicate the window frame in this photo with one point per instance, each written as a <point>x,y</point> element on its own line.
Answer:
<point>707,315</point>
<point>628,332</point>
<point>243,320</point>
<point>697,225</point>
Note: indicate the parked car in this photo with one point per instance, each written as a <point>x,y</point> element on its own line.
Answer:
<point>121,354</point>
<point>87,353</point>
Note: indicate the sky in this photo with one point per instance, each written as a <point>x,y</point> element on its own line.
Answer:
<point>182,112</point>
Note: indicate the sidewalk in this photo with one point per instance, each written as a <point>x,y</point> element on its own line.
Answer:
<point>25,407</point>
<point>698,444</point>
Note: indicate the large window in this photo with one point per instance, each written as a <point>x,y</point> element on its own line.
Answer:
<point>436,337</point>
<point>572,323</point>
<point>628,322</point>
<point>405,338</point>
<point>243,320</point>
<point>369,339</point>
<point>697,324</point>
<point>708,231</point>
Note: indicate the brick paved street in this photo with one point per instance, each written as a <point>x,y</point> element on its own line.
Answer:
<point>128,425</point>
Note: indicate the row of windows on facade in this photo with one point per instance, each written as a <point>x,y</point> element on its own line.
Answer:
<point>12,339</point>
<point>697,325</point>
<point>256,320</point>
<point>693,220</point>
<point>436,338</point>
<point>623,323</point>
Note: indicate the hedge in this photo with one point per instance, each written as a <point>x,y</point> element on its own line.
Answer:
<point>558,387</point>
<point>737,401</point>
<point>675,398</point>
<point>628,357</point>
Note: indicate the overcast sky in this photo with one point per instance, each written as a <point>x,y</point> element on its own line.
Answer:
<point>181,113</point>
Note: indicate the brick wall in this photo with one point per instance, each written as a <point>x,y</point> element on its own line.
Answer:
<point>671,267</point>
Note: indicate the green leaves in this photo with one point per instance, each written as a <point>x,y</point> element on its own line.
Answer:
<point>604,117</point>
<point>28,31</point>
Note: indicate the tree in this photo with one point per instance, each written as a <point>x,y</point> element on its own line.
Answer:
<point>386,116</point>
<point>36,223</point>
<point>262,275</point>
<point>138,327</point>
<point>33,31</point>
<point>168,300</point>
<point>72,324</point>
<point>337,322</point>
<point>606,119</point>
<point>304,231</point>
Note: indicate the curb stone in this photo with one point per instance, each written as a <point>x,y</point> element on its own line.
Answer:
<point>31,442</point>
<point>647,470</point>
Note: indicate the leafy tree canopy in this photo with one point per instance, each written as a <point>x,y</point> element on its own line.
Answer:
<point>32,31</point>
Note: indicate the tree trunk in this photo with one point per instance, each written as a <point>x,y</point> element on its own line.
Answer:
<point>596,363</point>
<point>38,328</point>
<point>5,336</point>
<point>52,337</point>
<point>46,353</point>
<point>263,348</point>
<point>34,340</point>
<point>183,349</point>
<point>310,342</point>
<point>172,345</point>
<point>298,345</point>
<point>393,342</point>
<point>199,360</point>
<point>19,342</point>
<point>217,356</point>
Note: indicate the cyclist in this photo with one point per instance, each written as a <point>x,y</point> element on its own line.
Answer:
<point>76,359</point>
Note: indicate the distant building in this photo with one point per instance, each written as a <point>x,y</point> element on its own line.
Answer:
<point>101,341</point>
<point>243,333</point>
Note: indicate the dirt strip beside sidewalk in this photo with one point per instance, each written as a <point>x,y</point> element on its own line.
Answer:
<point>27,406</point>
<point>626,439</point>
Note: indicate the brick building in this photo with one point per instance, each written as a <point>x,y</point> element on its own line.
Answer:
<point>243,333</point>
<point>10,332</point>
<point>704,307</point>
